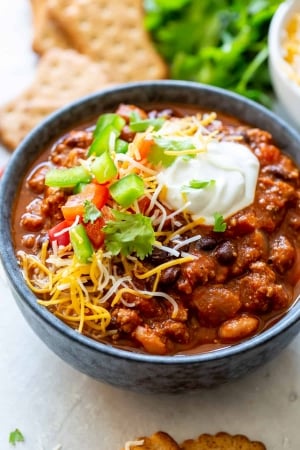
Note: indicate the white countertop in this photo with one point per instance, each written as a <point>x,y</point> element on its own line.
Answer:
<point>56,407</point>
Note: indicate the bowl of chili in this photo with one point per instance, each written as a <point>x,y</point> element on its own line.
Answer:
<point>151,240</point>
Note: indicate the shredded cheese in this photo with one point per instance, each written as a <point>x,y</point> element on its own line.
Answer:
<point>291,47</point>
<point>83,295</point>
<point>130,444</point>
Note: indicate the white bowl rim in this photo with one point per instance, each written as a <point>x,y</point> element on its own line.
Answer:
<point>276,30</point>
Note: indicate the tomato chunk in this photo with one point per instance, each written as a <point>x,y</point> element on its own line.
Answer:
<point>60,233</point>
<point>95,232</point>
<point>95,193</point>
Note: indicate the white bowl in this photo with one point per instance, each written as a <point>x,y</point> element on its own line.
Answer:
<point>286,89</point>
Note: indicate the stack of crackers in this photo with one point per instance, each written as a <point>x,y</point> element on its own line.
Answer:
<point>219,441</point>
<point>83,46</point>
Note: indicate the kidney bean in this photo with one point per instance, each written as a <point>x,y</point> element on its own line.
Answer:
<point>215,304</point>
<point>238,328</point>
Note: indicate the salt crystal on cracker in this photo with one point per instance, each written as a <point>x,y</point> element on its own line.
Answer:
<point>112,31</point>
<point>47,34</point>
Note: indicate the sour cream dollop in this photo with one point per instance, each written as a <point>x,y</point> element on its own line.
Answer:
<point>231,170</point>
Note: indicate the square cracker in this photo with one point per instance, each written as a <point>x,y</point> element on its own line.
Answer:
<point>158,441</point>
<point>221,441</point>
<point>47,34</point>
<point>112,31</point>
<point>61,77</point>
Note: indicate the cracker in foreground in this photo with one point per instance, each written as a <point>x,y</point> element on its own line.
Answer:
<point>221,441</point>
<point>62,76</point>
<point>158,441</point>
<point>111,31</point>
<point>47,34</point>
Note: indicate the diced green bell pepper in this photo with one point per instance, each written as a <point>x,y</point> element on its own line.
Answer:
<point>104,120</point>
<point>81,244</point>
<point>121,146</point>
<point>102,142</point>
<point>128,189</point>
<point>79,188</point>
<point>67,178</point>
<point>108,128</point>
<point>103,168</point>
<point>144,124</point>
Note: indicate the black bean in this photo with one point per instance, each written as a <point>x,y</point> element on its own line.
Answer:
<point>158,256</point>
<point>226,253</point>
<point>170,275</point>
<point>206,243</point>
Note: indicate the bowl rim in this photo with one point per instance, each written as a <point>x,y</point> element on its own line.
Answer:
<point>18,284</point>
<point>276,30</point>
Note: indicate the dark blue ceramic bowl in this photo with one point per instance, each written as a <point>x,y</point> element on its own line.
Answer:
<point>140,372</point>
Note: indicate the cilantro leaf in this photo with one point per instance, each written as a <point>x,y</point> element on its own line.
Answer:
<point>91,212</point>
<point>220,42</point>
<point>143,124</point>
<point>198,184</point>
<point>15,436</point>
<point>219,225</point>
<point>128,234</point>
<point>157,153</point>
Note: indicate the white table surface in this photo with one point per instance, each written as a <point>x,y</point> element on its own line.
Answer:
<point>56,407</point>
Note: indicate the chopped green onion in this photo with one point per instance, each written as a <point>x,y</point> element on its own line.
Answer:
<point>103,167</point>
<point>128,189</point>
<point>65,178</point>
<point>81,244</point>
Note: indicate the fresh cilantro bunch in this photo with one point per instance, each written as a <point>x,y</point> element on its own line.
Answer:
<point>128,234</point>
<point>220,42</point>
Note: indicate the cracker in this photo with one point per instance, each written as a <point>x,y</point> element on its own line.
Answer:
<point>47,34</point>
<point>61,77</point>
<point>112,31</point>
<point>158,441</point>
<point>221,441</point>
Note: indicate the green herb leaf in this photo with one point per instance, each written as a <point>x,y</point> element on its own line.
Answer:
<point>144,124</point>
<point>219,225</point>
<point>128,234</point>
<point>198,184</point>
<point>15,436</point>
<point>91,212</point>
<point>220,42</point>
<point>157,153</point>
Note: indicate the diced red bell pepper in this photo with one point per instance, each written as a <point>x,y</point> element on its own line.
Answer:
<point>57,234</point>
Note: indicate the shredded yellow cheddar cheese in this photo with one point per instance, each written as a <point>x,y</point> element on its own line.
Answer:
<point>82,295</point>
